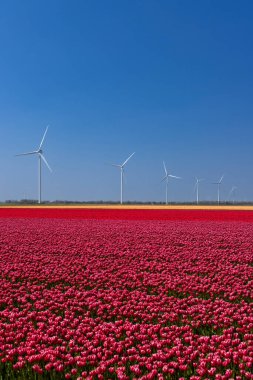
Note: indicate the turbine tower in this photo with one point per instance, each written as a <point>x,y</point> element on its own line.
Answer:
<point>39,153</point>
<point>122,175</point>
<point>166,178</point>
<point>218,185</point>
<point>196,187</point>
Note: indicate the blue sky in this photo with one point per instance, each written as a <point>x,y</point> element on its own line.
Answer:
<point>170,80</point>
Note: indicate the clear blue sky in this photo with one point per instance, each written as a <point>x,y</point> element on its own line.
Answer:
<point>170,80</point>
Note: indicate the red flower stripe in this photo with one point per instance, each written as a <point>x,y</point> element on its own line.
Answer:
<point>127,214</point>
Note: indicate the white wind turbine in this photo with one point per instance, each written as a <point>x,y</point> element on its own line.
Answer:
<point>39,153</point>
<point>218,184</point>
<point>232,192</point>
<point>196,187</point>
<point>122,175</point>
<point>166,178</point>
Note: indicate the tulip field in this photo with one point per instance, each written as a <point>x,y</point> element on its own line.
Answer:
<point>126,294</point>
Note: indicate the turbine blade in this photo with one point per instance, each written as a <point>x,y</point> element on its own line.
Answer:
<point>165,168</point>
<point>174,176</point>
<point>221,178</point>
<point>164,178</point>
<point>118,166</point>
<point>43,158</point>
<point>124,163</point>
<point>26,154</point>
<point>43,138</point>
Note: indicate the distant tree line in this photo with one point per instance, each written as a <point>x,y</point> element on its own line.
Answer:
<point>100,202</point>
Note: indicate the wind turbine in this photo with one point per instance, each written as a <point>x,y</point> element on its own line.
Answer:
<point>198,180</point>
<point>122,175</point>
<point>39,153</point>
<point>166,178</point>
<point>232,191</point>
<point>218,184</point>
